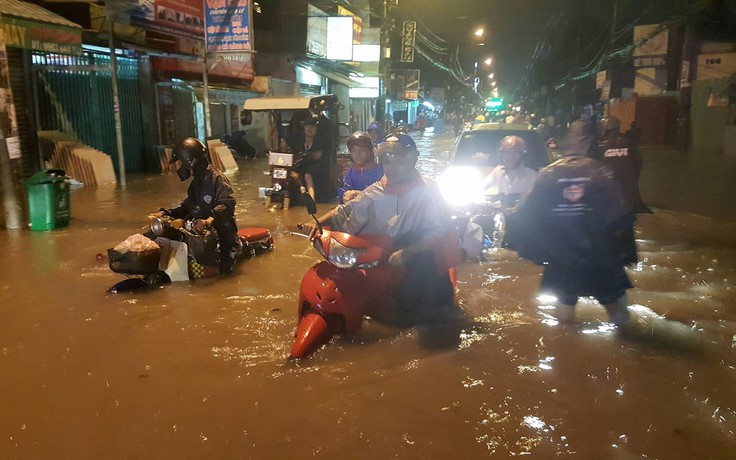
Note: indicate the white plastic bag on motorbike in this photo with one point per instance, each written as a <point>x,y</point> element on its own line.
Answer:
<point>136,243</point>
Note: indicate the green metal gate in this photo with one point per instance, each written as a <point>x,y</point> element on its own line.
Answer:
<point>75,96</point>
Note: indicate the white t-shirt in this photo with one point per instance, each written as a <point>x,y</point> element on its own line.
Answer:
<point>502,182</point>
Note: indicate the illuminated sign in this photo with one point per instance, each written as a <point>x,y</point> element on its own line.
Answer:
<point>494,103</point>
<point>357,24</point>
<point>340,38</point>
<point>366,53</point>
<point>407,41</point>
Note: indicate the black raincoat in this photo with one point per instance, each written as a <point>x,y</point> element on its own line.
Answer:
<point>210,195</point>
<point>576,223</point>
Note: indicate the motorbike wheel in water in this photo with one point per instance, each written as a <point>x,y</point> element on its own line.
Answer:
<point>148,281</point>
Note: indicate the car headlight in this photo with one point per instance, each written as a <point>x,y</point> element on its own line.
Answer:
<point>343,257</point>
<point>461,185</point>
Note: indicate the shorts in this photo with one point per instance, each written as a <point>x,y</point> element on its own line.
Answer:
<point>569,283</point>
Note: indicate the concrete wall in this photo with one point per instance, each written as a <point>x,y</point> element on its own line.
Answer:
<point>708,124</point>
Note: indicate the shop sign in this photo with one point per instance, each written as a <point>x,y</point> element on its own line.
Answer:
<point>228,25</point>
<point>40,36</point>
<point>241,68</point>
<point>407,41</point>
<point>357,24</point>
<point>183,18</point>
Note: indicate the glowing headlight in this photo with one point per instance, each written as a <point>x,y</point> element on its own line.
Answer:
<point>276,187</point>
<point>461,185</point>
<point>342,256</point>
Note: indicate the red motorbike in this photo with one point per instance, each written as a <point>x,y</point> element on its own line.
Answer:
<point>354,280</point>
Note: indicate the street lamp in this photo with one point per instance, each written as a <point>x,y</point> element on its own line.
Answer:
<point>479,32</point>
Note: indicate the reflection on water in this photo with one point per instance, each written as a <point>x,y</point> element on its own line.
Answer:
<point>199,370</point>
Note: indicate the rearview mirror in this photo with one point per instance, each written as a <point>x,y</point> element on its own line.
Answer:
<point>246,117</point>
<point>309,202</point>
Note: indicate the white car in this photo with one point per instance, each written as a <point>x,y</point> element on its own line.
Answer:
<point>476,154</point>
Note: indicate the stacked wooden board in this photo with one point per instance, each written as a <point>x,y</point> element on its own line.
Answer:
<point>164,158</point>
<point>80,161</point>
<point>221,156</point>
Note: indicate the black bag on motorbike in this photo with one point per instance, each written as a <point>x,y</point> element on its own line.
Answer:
<point>203,247</point>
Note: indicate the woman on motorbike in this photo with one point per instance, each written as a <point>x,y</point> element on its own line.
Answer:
<point>364,171</point>
<point>312,169</point>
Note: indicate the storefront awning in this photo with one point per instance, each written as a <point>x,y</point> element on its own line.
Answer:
<point>289,102</point>
<point>334,70</point>
<point>29,26</point>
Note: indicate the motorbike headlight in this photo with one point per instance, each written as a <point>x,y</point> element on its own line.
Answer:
<point>461,185</point>
<point>342,256</point>
<point>276,187</point>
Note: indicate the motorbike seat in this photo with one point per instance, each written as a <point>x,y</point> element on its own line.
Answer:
<point>253,234</point>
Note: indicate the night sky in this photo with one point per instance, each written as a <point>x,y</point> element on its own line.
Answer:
<point>514,27</point>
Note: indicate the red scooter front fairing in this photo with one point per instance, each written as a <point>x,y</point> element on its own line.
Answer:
<point>333,300</point>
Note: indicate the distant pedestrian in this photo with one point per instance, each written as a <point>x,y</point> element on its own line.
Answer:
<point>618,152</point>
<point>576,223</point>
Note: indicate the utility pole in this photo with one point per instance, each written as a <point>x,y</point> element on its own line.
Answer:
<point>116,104</point>
<point>9,145</point>
<point>385,61</point>
<point>573,95</point>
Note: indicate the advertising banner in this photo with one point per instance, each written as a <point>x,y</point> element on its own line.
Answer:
<point>652,52</point>
<point>239,67</point>
<point>41,36</point>
<point>183,18</point>
<point>329,37</point>
<point>316,32</point>
<point>406,83</point>
<point>357,24</point>
<point>408,35</point>
<point>340,38</point>
<point>228,26</point>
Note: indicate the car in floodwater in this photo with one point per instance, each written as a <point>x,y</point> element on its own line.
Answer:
<point>476,154</point>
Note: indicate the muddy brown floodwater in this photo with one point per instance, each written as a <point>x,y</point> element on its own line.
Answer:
<point>199,370</point>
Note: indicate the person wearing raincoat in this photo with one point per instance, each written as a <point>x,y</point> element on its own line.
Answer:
<point>577,224</point>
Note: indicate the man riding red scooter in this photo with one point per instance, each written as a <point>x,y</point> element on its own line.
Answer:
<point>389,253</point>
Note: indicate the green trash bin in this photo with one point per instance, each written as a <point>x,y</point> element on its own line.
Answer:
<point>48,199</point>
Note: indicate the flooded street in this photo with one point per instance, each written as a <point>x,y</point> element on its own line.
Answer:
<point>199,370</point>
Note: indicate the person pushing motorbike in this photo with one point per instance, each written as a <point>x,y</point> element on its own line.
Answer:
<point>209,200</point>
<point>406,208</point>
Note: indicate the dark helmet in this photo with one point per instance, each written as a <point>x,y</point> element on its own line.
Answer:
<point>192,153</point>
<point>360,137</point>
<point>610,125</point>
<point>396,145</point>
<point>512,144</point>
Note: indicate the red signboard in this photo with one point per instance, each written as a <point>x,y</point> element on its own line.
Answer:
<point>236,66</point>
<point>176,17</point>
